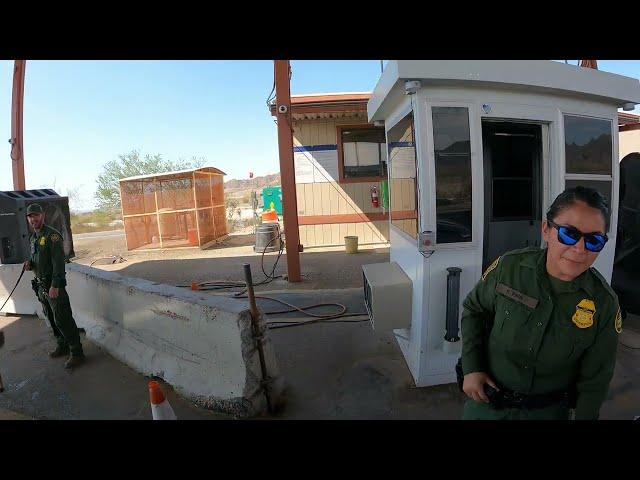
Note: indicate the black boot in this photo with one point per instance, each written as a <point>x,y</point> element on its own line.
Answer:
<point>59,352</point>
<point>74,361</point>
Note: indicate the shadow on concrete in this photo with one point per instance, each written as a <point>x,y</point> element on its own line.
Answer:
<point>332,371</point>
<point>233,240</point>
<point>346,371</point>
<point>103,388</point>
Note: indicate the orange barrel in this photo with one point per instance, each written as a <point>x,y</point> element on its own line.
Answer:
<point>192,236</point>
<point>269,215</point>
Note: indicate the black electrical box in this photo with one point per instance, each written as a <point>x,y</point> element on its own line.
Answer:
<point>15,229</point>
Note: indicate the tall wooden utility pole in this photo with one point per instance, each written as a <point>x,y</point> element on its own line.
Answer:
<point>287,169</point>
<point>17,108</point>
<point>589,64</point>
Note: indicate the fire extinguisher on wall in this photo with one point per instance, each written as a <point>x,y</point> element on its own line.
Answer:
<point>375,202</point>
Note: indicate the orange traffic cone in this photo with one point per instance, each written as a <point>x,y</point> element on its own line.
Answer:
<point>160,408</point>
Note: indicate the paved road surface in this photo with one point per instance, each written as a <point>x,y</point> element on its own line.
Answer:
<point>112,233</point>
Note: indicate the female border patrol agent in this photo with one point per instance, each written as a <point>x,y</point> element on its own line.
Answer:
<point>46,259</point>
<point>540,330</point>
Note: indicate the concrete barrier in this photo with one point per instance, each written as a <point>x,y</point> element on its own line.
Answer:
<point>200,344</point>
<point>23,300</point>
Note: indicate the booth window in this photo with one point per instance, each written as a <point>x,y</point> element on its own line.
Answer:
<point>362,153</point>
<point>403,186</point>
<point>588,147</point>
<point>589,153</point>
<point>452,148</point>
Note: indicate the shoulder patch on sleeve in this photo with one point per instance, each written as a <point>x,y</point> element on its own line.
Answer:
<point>490,268</point>
<point>55,237</point>
<point>618,322</point>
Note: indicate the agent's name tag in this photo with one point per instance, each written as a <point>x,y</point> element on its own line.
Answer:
<point>519,297</point>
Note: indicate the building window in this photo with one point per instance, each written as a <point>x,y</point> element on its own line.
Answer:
<point>452,146</point>
<point>588,147</point>
<point>589,154</point>
<point>403,185</point>
<point>364,152</point>
<point>604,187</point>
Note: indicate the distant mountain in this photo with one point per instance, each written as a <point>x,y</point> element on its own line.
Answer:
<point>592,157</point>
<point>257,183</point>
<point>240,190</point>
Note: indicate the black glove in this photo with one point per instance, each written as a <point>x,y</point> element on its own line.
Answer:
<point>494,396</point>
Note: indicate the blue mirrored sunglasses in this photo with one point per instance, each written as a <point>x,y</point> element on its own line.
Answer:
<point>594,242</point>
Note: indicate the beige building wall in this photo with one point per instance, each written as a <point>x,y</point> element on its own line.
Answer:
<point>629,142</point>
<point>327,209</point>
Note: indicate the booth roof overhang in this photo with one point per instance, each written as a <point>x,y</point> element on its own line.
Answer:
<point>544,76</point>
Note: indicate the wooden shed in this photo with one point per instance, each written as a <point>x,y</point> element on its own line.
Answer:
<point>184,208</point>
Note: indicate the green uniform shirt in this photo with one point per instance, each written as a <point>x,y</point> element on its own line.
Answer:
<point>47,257</point>
<point>546,335</point>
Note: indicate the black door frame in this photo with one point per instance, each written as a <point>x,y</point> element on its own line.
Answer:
<point>538,187</point>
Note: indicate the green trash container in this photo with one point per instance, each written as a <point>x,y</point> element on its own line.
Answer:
<point>272,198</point>
<point>384,193</point>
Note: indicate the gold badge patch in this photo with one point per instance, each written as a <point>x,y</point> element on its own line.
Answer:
<point>42,241</point>
<point>618,323</point>
<point>55,237</point>
<point>490,268</point>
<point>583,318</point>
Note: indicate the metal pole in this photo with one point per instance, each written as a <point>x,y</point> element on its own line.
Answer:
<point>257,335</point>
<point>453,299</point>
<point>1,344</point>
<point>287,169</point>
<point>17,109</point>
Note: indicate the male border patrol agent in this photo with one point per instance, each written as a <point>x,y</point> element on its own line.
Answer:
<point>540,328</point>
<point>47,260</point>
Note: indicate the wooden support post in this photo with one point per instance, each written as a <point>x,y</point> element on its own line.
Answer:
<point>126,239</point>
<point>17,109</point>
<point>195,211</point>
<point>155,196</point>
<point>287,168</point>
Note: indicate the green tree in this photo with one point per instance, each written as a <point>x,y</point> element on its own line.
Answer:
<point>129,165</point>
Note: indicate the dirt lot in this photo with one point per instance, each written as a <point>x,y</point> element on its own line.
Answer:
<point>325,268</point>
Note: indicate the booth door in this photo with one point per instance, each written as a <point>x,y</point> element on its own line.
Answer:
<point>626,265</point>
<point>512,154</point>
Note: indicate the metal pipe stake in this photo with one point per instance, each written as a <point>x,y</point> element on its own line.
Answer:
<point>257,335</point>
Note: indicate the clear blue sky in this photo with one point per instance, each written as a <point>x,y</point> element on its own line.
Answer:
<point>81,114</point>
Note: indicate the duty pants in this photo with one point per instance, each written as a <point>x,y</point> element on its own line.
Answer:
<point>58,312</point>
<point>484,411</point>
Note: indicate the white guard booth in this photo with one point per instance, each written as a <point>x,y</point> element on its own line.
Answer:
<point>478,150</point>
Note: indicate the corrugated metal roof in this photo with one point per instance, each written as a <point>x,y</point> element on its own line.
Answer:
<point>174,173</point>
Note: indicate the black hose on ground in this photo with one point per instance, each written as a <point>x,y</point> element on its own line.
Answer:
<point>14,287</point>
<point>270,277</point>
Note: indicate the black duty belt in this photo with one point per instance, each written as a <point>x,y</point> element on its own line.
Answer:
<point>505,398</point>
